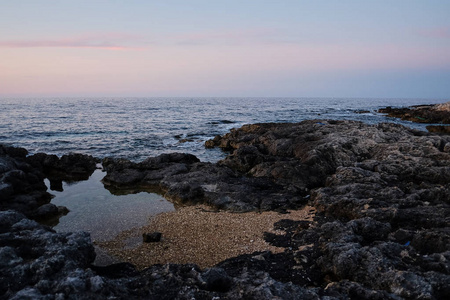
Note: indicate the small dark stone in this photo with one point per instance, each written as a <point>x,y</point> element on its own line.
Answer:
<point>152,237</point>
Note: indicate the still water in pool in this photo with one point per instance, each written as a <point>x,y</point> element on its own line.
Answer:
<point>94,209</point>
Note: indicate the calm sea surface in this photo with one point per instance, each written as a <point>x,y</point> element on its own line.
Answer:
<point>136,128</point>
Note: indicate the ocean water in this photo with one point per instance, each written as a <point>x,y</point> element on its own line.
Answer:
<point>136,128</point>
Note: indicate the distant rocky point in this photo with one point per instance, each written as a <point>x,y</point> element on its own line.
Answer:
<point>435,113</point>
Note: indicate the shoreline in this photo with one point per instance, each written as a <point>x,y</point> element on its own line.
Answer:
<point>380,228</point>
<point>198,235</point>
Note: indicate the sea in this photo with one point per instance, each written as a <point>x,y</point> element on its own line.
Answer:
<point>138,128</point>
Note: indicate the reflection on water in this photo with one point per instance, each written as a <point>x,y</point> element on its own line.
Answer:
<point>94,209</point>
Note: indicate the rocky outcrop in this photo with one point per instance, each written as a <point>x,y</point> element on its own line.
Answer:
<point>35,261</point>
<point>69,168</point>
<point>183,179</point>
<point>383,199</point>
<point>22,186</point>
<point>436,113</point>
<point>382,230</point>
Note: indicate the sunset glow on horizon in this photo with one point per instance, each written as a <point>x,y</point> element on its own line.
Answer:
<point>199,48</point>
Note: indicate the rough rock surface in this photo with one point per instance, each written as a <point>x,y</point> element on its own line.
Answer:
<point>382,193</point>
<point>70,167</point>
<point>183,179</point>
<point>436,113</point>
<point>22,186</point>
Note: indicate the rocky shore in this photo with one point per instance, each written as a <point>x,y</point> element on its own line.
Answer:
<point>435,113</point>
<point>381,195</point>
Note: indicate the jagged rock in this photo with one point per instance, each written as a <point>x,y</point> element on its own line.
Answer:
<point>32,255</point>
<point>439,129</point>
<point>381,231</point>
<point>436,113</point>
<point>216,279</point>
<point>185,180</point>
<point>22,187</point>
<point>70,167</point>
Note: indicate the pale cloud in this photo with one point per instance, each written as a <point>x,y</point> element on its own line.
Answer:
<point>109,41</point>
<point>231,37</point>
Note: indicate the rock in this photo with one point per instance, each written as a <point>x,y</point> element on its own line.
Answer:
<point>151,237</point>
<point>13,151</point>
<point>437,113</point>
<point>381,229</point>
<point>70,167</point>
<point>22,187</point>
<point>46,211</point>
<point>117,270</point>
<point>31,253</point>
<point>439,129</point>
<point>216,279</point>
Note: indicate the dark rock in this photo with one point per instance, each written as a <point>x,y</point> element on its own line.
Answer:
<point>46,211</point>
<point>439,129</point>
<point>31,253</point>
<point>438,113</point>
<point>118,270</point>
<point>381,228</point>
<point>71,167</point>
<point>22,187</point>
<point>56,185</point>
<point>13,151</point>
<point>151,237</point>
<point>216,279</point>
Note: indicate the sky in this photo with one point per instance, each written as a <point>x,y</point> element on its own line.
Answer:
<point>245,48</point>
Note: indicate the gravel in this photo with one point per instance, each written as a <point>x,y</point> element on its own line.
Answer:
<point>200,235</point>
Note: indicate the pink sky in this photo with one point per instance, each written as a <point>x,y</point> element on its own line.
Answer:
<point>262,58</point>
